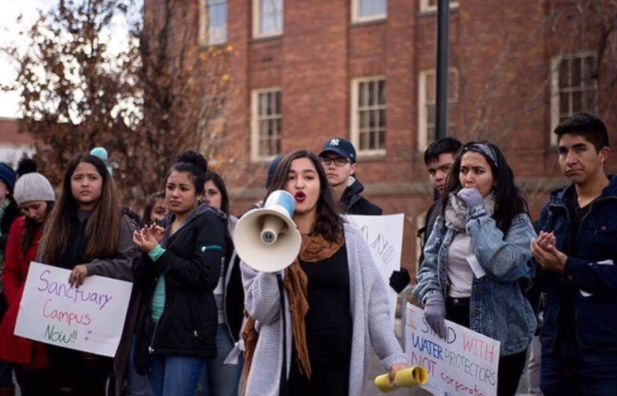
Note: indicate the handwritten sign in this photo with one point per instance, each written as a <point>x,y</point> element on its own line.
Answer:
<point>464,363</point>
<point>88,319</point>
<point>384,235</point>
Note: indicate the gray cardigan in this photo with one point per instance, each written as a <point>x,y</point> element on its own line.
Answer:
<point>370,315</point>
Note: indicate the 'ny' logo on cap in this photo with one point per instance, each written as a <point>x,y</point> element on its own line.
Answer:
<point>334,142</point>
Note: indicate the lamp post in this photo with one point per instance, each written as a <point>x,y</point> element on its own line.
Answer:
<point>443,46</point>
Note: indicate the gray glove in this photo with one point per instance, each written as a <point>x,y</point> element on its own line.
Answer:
<point>471,197</point>
<point>435,314</point>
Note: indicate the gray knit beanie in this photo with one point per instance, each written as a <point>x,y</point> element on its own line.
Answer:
<point>33,187</point>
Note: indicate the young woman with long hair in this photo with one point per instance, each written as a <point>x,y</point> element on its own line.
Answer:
<point>177,276</point>
<point>476,255</point>
<point>35,197</point>
<point>337,300</point>
<point>220,379</point>
<point>86,234</point>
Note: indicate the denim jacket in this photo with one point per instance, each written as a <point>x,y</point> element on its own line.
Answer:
<point>591,272</point>
<point>498,309</point>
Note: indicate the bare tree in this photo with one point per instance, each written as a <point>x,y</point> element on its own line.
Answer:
<point>153,95</point>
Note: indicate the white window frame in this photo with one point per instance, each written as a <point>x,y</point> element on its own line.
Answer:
<point>204,36</point>
<point>555,92</point>
<point>355,122</point>
<point>255,156</point>
<point>257,31</point>
<point>426,7</point>
<point>357,18</point>
<point>422,115</point>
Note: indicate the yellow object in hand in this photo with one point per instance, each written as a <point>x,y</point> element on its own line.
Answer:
<point>407,378</point>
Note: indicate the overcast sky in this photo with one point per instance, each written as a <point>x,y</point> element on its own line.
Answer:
<point>9,33</point>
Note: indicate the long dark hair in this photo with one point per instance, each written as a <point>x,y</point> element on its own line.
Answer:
<point>508,201</point>
<point>329,223</point>
<point>103,228</point>
<point>220,184</point>
<point>31,227</point>
<point>150,205</point>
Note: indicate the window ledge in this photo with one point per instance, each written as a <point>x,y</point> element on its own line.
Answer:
<point>369,22</point>
<point>265,39</point>
<point>262,160</point>
<point>375,156</point>
<point>204,45</point>
<point>433,13</point>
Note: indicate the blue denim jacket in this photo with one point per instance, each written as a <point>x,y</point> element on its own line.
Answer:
<point>596,243</point>
<point>498,309</point>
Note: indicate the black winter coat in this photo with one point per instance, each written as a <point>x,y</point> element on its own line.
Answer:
<point>10,214</point>
<point>191,265</point>
<point>355,204</point>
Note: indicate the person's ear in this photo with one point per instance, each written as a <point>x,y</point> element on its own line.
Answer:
<point>604,154</point>
<point>353,169</point>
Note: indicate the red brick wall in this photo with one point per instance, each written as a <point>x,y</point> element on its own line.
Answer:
<point>501,48</point>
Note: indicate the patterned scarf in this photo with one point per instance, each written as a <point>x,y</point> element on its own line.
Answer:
<point>457,212</point>
<point>314,249</point>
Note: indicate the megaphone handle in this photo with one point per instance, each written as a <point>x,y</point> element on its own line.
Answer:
<point>283,390</point>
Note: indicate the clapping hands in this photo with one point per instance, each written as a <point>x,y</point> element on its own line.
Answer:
<point>148,237</point>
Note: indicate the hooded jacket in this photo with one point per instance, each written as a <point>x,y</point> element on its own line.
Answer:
<point>191,265</point>
<point>355,204</point>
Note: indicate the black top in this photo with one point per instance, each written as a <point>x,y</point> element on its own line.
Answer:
<point>567,315</point>
<point>328,328</point>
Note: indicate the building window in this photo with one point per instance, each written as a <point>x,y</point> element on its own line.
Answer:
<point>267,18</point>
<point>213,22</point>
<point>574,87</point>
<point>431,5</point>
<point>368,10</point>
<point>267,123</point>
<point>427,105</point>
<point>368,117</point>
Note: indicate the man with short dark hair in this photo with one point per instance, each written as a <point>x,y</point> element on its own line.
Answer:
<point>338,156</point>
<point>438,158</point>
<point>576,252</point>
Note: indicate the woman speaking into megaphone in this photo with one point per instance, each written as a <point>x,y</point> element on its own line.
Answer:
<point>313,341</point>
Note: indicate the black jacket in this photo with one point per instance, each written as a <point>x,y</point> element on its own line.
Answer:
<point>355,204</point>
<point>10,214</point>
<point>191,265</point>
<point>425,232</point>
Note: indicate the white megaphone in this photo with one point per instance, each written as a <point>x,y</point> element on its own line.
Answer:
<point>267,239</point>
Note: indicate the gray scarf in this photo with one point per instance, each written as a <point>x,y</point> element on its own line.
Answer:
<point>457,212</point>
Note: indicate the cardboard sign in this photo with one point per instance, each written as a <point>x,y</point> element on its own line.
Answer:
<point>464,363</point>
<point>89,319</point>
<point>384,236</point>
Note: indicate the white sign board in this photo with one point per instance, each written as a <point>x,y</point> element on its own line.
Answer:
<point>89,319</point>
<point>384,236</point>
<point>464,363</point>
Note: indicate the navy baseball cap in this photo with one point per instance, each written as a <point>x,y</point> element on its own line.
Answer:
<point>340,146</point>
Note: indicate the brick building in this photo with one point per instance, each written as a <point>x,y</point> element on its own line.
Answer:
<point>14,145</point>
<point>306,71</point>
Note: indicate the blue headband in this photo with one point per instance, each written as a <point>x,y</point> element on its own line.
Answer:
<point>482,148</point>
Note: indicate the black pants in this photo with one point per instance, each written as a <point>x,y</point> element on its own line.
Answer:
<point>32,382</point>
<point>77,373</point>
<point>510,367</point>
